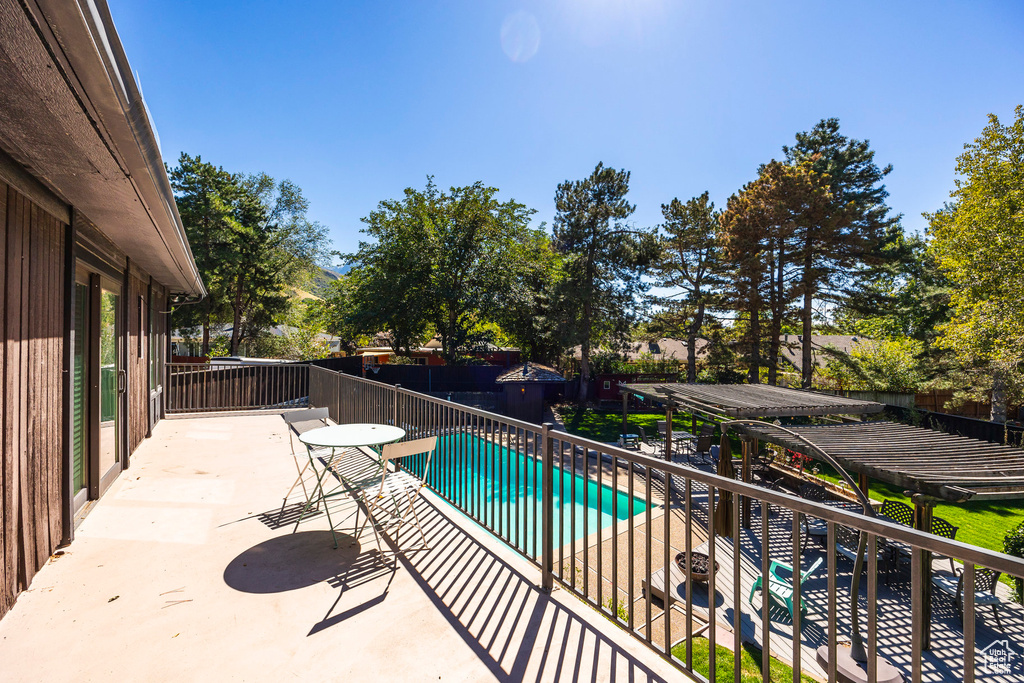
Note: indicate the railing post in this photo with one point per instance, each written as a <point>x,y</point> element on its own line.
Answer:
<point>547,509</point>
<point>395,416</point>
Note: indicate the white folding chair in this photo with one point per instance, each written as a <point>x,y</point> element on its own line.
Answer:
<point>392,501</point>
<point>299,422</point>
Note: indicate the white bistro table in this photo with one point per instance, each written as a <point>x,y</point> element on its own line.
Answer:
<point>342,436</point>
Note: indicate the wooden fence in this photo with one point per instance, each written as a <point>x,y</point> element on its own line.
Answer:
<point>936,401</point>
<point>423,378</point>
<point>199,387</point>
<point>892,398</point>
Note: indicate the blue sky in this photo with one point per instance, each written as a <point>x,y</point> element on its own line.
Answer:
<point>355,101</point>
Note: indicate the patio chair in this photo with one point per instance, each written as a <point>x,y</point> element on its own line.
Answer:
<point>299,422</point>
<point>847,542</point>
<point>985,582</point>
<point>780,587</point>
<point>816,529</point>
<point>393,501</point>
<point>941,527</point>
<point>762,473</point>
<point>702,448</point>
<point>898,512</point>
<point>657,446</point>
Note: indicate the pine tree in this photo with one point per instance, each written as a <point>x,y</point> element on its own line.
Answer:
<point>604,259</point>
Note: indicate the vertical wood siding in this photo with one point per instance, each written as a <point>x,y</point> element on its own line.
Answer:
<point>31,327</point>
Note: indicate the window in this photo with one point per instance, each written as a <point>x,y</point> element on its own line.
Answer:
<point>607,384</point>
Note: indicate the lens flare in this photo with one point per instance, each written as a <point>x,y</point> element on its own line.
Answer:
<point>520,36</point>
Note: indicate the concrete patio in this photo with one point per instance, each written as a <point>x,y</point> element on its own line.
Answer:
<point>188,570</point>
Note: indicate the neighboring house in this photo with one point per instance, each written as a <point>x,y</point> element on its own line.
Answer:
<point>92,256</point>
<point>379,355</point>
<point>660,349</point>
<point>791,347</point>
<point>664,349</point>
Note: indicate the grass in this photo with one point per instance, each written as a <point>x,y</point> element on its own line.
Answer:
<point>750,663</point>
<point>605,426</point>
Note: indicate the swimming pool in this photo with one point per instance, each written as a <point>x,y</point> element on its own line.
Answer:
<point>494,484</point>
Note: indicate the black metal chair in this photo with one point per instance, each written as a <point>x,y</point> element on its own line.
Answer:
<point>762,473</point>
<point>702,447</point>
<point>847,542</point>
<point>941,527</point>
<point>985,582</point>
<point>898,512</point>
<point>814,528</point>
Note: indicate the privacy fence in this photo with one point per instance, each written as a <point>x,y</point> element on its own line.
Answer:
<point>604,523</point>
<point>423,378</point>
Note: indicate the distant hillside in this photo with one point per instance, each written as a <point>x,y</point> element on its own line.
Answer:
<point>325,277</point>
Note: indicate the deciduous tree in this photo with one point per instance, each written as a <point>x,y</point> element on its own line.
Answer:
<point>443,259</point>
<point>978,240</point>
<point>251,239</point>
<point>205,196</point>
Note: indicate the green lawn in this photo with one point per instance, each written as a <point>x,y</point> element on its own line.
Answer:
<point>981,523</point>
<point>750,663</point>
<point>605,426</point>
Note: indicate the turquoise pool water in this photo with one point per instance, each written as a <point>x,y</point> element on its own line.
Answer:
<point>494,484</point>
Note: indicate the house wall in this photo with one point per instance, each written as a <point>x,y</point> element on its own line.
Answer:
<point>35,510</point>
<point>32,329</point>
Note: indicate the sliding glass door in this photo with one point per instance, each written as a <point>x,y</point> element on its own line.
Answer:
<point>98,383</point>
<point>110,380</point>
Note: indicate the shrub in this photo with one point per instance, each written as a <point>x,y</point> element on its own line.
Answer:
<point>1013,544</point>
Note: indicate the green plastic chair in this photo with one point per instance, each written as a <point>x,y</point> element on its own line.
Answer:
<point>782,588</point>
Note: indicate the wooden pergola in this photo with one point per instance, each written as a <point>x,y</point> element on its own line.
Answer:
<point>722,402</point>
<point>733,401</point>
<point>750,400</point>
<point>934,465</point>
<point>931,466</point>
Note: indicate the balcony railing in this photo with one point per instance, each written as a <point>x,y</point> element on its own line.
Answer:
<point>211,387</point>
<point>601,521</point>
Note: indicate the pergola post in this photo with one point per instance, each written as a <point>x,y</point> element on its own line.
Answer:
<point>625,414</point>
<point>668,434</point>
<point>748,445</point>
<point>923,507</point>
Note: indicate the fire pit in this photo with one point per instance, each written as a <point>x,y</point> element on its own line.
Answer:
<point>699,571</point>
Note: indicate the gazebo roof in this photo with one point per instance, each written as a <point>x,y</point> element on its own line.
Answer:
<point>945,466</point>
<point>751,400</point>
<point>531,373</point>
